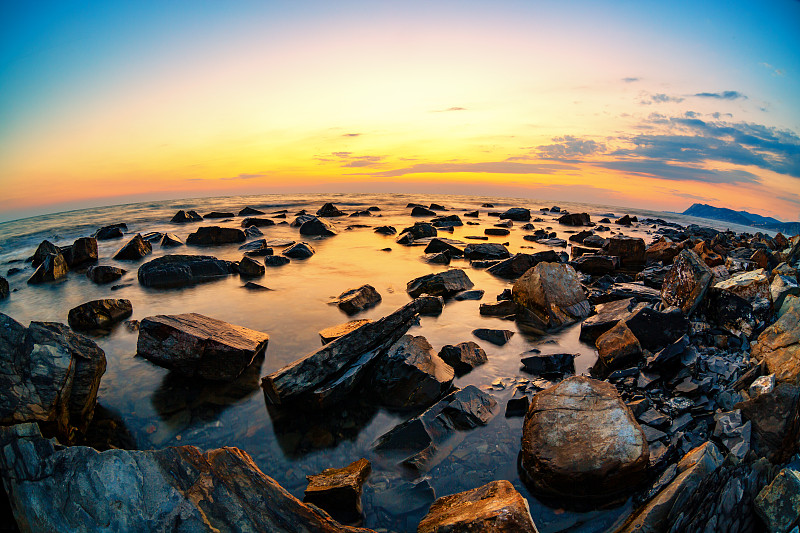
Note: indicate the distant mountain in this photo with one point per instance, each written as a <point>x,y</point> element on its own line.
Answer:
<point>743,218</point>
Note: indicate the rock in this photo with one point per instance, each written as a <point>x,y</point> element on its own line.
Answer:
<point>254,246</point>
<point>781,287</point>
<point>4,288</point>
<point>181,270</point>
<point>486,250</point>
<point>419,211</point>
<point>114,231</point>
<point>779,344</point>
<point>606,316</point>
<point>83,250</point>
<point>252,231</point>
<point>334,332</point>
<point>44,249</point>
<point>500,232</point>
<point>709,256</point>
<point>519,214</point>
<point>663,250</point>
<point>748,285</point>
<point>258,222</point>
<point>617,348</point>
<point>729,312</point>
<point>594,241</point>
<point>338,490</point>
<point>301,219</point>
<point>135,249</point>
<point>331,372</point>
<point>275,260</point>
<point>625,220</point>
<point>734,434</point>
<point>255,286</point>
<point>219,214</point>
<point>503,308</point>
<point>152,236</point>
<point>170,239</point>
<point>330,210</point>
<point>596,265</point>
<point>431,305</point>
<point>580,441</point>
<point>316,226</point>
<point>552,295</point>
<point>669,356</point>
<point>250,267</point>
<point>53,488</point>
<point>574,219</point>
<point>215,235</point>
<point>778,504</point>
<point>687,282</point>
<point>53,267</point>
<point>444,284</point>
<point>518,264</point>
<point>99,314</point>
<point>48,375</point>
<point>437,259</point>
<point>655,329</point>
<point>495,336</point>
<point>578,237</point>
<point>471,214</point>
<point>186,216</point>
<point>548,365</point>
<point>250,211</point>
<point>630,250</point>
<point>194,345</point>
<point>300,250</point>
<point>419,230</point>
<point>104,274</point>
<point>449,221</point>
<point>761,385</point>
<point>410,375</point>
<point>476,294</point>
<point>517,406</point>
<point>463,357</point>
<point>356,300</point>
<point>775,417</point>
<point>495,507</point>
<point>385,230</point>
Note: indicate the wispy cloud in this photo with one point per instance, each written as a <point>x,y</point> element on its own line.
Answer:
<point>630,80</point>
<point>492,167</point>
<point>659,98</point>
<point>351,135</point>
<point>450,109</point>
<point>654,168</point>
<point>569,147</point>
<point>775,71</point>
<point>245,177</point>
<point>348,159</point>
<point>724,95</point>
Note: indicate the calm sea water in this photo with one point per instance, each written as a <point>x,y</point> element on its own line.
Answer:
<point>161,410</point>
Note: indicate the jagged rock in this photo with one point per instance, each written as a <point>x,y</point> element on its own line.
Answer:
<point>733,432</point>
<point>495,336</point>
<point>4,288</point>
<point>99,314</point>
<point>778,504</point>
<point>135,249</point>
<point>258,222</point>
<point>199,346</point>
<point>152,236</point>
<point>503,308</point>
<point>170,239</point>
<point>606,316</point>
<point>53,267</point>
<point>254,246</point>
<point>301,219</point>
<point>275,260</point>
<point>444,284</point>
<point>493,508</point>
<point>617,348</point>
<point>625,220</point>
<point>113,231</point>
<point>186,216</point>
<point>449,221</point>
<point>330,210</point>
<point>653,276</point>
<point>338,490</point>
<point>49,375</point>
<point>443,246</point>
<point>410,375</point>
<point>356,300</point>
<point>775,416</point>
<point>104,274</point>
<point>463,357</point>
<point>546,365</point>
<point>53,488</point>
<point>761,385</point>
<point>748,285</point>
<point>656,329</point>
<point>595,264</point>
<point>517,406</point>
<point>575,219</point>
<point>214,235</point>
<point>552,295</point>
<point>630,250</point>
<point>299,250</point>
<point>781,287</point>
<point>182,270</point>
<point>580,440</point>
<point>250,285</point>
<point>663,250</point>
<point>419,211</point>
<point>437,259</point>
<point>252,231</point>
<point>330,373</point>
<point>668,355</point>
<point>687,282</point>
<point>594,241</point>
<point>385,230</point>
<point>249,211</point>
<point>83,250</point>
<point>419,230</point>
<point>250,267</point>
<point>709,256</point>
<point>580,236</point>
<point>518,264</point>
<point>779,344</point>
<point>44,249</point>
<point>431,305</point>
<point>729,312</point>
<point>317,226</point>
<point>334,332</point>
<point>486,250</point>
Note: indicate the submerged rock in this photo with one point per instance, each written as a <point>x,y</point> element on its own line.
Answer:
<point>687,282</point>
<point>215,235</point>
<point>258,222</point>
<point>99,314</point>
<point>53,267</point>
<point>338,490</point>
<point>552,295</point>
<point>182,270</point>
<point>574,219</point>
<point>444,284</point>
<point>186,216</point>
<point>357,300</point>
<point>463,357</point>
<point>299,250</point>
<point>219,214</point>
<point>104,274</point>
<point>49,375</point>
<point>199,346</point>
<point>135,249</point>
<point>495,336</point>
<point>317,226</point>
<point>249,267</point>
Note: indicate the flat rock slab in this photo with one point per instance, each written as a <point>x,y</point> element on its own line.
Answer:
<point>444,284</point>
<point>181,270</point>
<point>496,507</point>
<point>99,314</point>
<point>199,346</point>
<point>334,332</point>
<point>338,490</point>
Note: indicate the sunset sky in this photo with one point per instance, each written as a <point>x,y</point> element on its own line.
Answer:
<point>644,104</point>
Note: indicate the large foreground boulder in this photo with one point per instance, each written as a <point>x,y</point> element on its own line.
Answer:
<point>338,490</point>
<point>83,250</point>
<point>99,314</point>
<point>199,346</point>
<point>49,375</point>
<point>52,267</point>
<point>779,345</point>
<point>496,507</point>
<point>687,282</point>
<point>182,270</point>
<point>552,295</point>
<point>580,441</point>
<point>444,284</point>
<point>52,488</point>
<point>213,235</point>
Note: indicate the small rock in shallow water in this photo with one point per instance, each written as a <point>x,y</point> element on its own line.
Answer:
<point>99,314</point>
<point>338,490</point>
<point>495,336</point>
<point>463,357</point>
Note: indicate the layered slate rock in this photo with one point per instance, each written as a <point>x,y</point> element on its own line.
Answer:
<point>496,507</point>
<point>747,285</point>
<point>356,300</point>
<point>486,250</point>
<point>104,274</point>
<point>331,372</point>
<point>518,264</point>
<point>334,332</point>
<point>630,250</point>
<point>410,375</point>
<point>580,440</point>
<point>444,284</point>
<point>134,249</point>
<point>52,488</point>
<point>99,314</point>
<point>596,264</point>
<point>338,490</point>
<point>215,235</point>
<point>778,504</point>
<point>617,348</point>
<point>779,345</point>
<point>463,357</point>
<point>317,226</point>
<point>181,270</point>
<point>194,345</point>
<point>82,251</point>
<point>186,216</point>
<point>552,296</point>
<point>663,251</point>
<point>606,316</point>
<point>687,282</point>
<point>49,375</point>
<point>53,267</point>
<point>775,417</point>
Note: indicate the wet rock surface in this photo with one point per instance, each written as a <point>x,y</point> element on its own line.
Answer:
<point>463,357</point>
<point>171,271</point>
<point>338,490</point>
<point>552,294</point>
<point>52,268</point>
<point>99,314</point>
<point>444,284</point>
<point>356,300</point>
<point>134,249</point>
<point>215,235</point>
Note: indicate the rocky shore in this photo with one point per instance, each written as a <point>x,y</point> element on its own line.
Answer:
<point>688,420</point>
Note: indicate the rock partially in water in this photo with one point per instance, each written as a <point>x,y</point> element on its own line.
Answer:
<point>186,216</point>
<point>170,239</point>
<point>779,344</point>
<point>502,308</point>
<point>49,375</point>
<point>518,264</point>
<point>496,507</point>
<point>219,214</point>
<point>552,295</point>
<point>630,250</point>
<point>299,250</point>
<point>181,270</point>
<point>606,316</point>
<point>199,346</point>
<point>778,504</point>
<point>134,249</point>
<point>330,210</point>
<point>317,226</point>
<point>575,219</point>
<point>463,357</point>
<point>276,260</point>
<point>580,441</point>
<point>4,288</point>
<point>486,250</point>
<point>249,211</point>
<point>258,222</point>
<point>334,332</point>
<point>419,211</point>
<point>52,488</point>
<point>617,348</point>
<point>550,364</point>
<point>444,284</point>
<point>249,267</point>
<point>495,336</point>
<point>113,231</point>
<point>82,251</point>
<point>431,305</point>
<point>104,274</point>
<point>99,314</point>
<point>385,230</point>
<point>215,235</point>
<point>44,249</point>
<point>687,282</point>
<point>53,267</point>
<point>338,490</point>
<point>419,230</point>
<point>356,300</point>
<point>519,214</point>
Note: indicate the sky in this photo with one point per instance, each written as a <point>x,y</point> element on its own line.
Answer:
<point>630,103</point>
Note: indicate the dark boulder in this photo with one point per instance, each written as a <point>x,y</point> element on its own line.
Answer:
<point>574,219</point>
<point>214,235</point>
<point>182,270</point>
<point>419,230</point>
<point>519,214</point>
<point>503,308</point>
<point>330,210</point>
<point>114,231</point>
<point>275,260</point>
<point>687,282</point>
<point>44,249</point>
<point>135,249</point>
<point>606,316</point>
<point>258,222</point>
<point>104,274</point>
<point>338,490</point>
<point>449,221</point>
<point>444,284</point>
<point>486,251</point>
<point>463,357</point>
<point>317,226</point>
<point>82,251</point>
<point>656,329</point>
<point>596,265</point>
<point>775,416</point>
<point>518,264</point>
<point>497,232</point>
<point>299,250</point>
<point>53,267</point>
<point>99,314</point>
<point>385,230</point>
<point>4,288</point>
<point>625,220</point>
<point>249,267</point>
<point>617,348</point>
<point>663,250</point>
<point>419,211</point>
<point>186,216</point>
<point>219,214</point>
<point>630,250</point>
<point>356,300</point>
<point>170,239</point>
<point>551,295</point>
<point>250,211</point>
<point>495,336</point>
<point>548,364</point>
<point>444,245</point>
